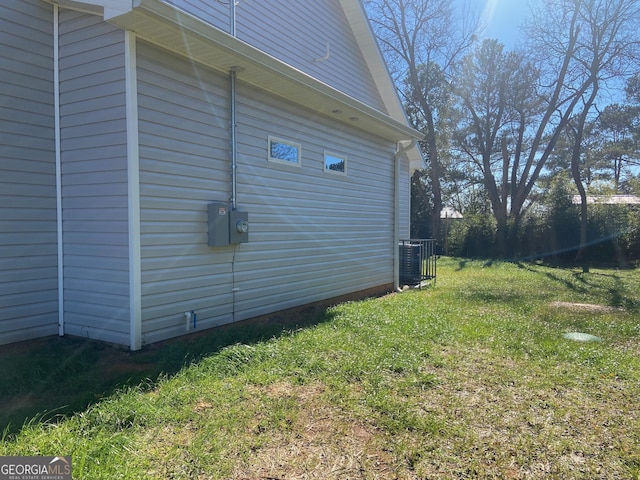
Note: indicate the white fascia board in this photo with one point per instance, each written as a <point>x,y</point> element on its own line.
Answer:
<point>365,38</point>
<point>174,29</point>
<point>361,27</point>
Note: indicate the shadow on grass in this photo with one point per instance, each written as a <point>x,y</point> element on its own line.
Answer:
<point>463,263</point>
<point>607,285</point>
<point>587,283</point>
<point>47,379</point>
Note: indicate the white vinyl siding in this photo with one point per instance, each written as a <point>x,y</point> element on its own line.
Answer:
<point>216,13</point>
<point>28,251</point>
<point>404,184</point>
<point>312,36</point>
<point>94,178</point>
<point>312,236</point>
<point>298,34</point>
<point>184,165</point>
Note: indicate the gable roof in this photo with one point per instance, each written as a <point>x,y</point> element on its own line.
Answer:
<point>170,27</point>
<point>357,18</point>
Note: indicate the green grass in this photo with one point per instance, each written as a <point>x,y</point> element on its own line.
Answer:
<point>471,378</point>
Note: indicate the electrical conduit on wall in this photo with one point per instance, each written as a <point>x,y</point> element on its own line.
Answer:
<point>56,100</point>
<point>234,153</point>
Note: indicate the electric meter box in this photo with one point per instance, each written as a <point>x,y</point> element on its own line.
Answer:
<point>227,226</point>
<point>238,227</point>
<point>218,224</point>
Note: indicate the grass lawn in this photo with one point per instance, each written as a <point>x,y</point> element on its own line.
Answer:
<point>471,378</point>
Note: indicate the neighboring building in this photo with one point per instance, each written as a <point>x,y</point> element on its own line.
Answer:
<point>608,200</point>
<point>450,213</point>
<point>116,135</point>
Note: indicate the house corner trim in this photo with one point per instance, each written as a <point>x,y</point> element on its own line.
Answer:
<point>133,181</point>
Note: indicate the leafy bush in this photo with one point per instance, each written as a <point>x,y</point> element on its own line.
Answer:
<point>421,205</point>
<point>613,234</point>
<point>552,231</point>
<point>472,236</point>
<point>561,236</point>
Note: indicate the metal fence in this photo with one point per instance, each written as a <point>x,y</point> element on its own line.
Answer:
<point>417,261</point>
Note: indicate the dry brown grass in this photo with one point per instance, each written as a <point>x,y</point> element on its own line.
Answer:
<point>586,307</point>
<point>322,443</point>
<point>496,422</point>
<point>500,424</point>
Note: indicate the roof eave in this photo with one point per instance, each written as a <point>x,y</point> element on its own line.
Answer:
<point>174,29</point>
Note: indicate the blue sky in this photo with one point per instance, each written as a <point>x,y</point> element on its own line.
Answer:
<point>503,19</point>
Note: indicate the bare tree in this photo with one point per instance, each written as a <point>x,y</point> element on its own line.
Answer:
<point>421,40</point>
<point>575,48</point>
<point>498,104</point>
<point>590,43</point>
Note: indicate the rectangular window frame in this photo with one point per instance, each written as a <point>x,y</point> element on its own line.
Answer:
<point>282,161</point>
<point>334,155</point>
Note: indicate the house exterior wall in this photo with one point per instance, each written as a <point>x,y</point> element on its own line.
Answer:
<point>184,164</point>
<point>214,13</point>
<point>298,34</point>
<point>314,234</point>
<point>94,178</point>
<point>28,251</point>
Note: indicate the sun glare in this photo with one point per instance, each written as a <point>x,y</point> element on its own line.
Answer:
<point>488,12</point>
<point>501,19</point>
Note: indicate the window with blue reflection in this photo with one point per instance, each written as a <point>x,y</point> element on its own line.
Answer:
<point>284,151</point>
<point>335,163</point>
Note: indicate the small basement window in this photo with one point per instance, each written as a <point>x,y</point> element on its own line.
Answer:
<point>284,151</point>
<point>334,163</point>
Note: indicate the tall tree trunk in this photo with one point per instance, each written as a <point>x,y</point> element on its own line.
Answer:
<point>505,249</point>
<point>575,172</point>
<point>435,173</point>
<point>501,236</point>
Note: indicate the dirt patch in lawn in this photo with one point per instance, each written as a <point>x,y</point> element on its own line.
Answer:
<point>587,307</point>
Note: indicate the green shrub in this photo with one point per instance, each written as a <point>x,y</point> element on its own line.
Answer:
<point>473,236</point>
